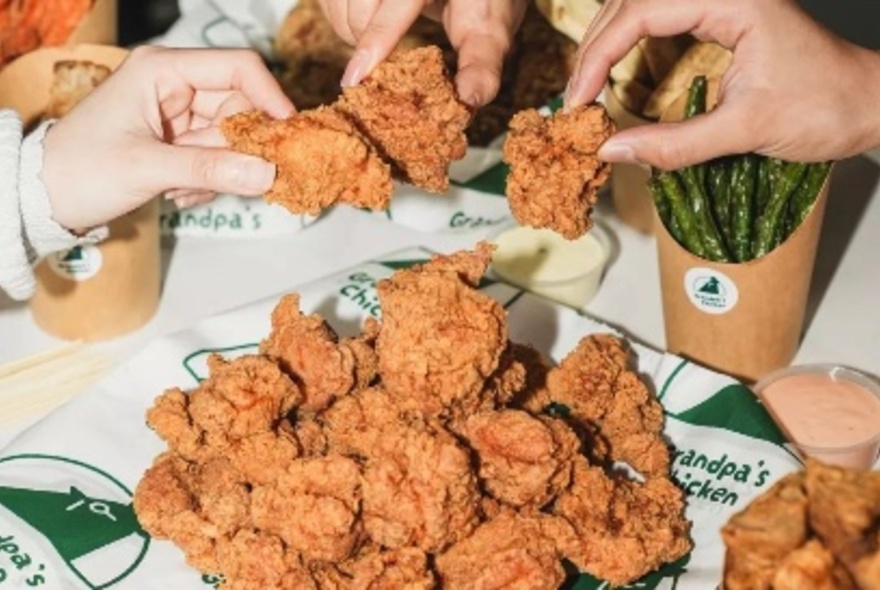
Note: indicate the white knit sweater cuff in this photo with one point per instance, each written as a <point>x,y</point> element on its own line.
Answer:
<point>16,277</point>
<point>42,234</point>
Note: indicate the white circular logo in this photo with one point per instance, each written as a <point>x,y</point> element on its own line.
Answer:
<point>710,291</point>
<point>77,264</point>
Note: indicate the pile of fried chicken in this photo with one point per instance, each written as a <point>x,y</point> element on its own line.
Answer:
<point>818,529</point>
<point>429,451</point>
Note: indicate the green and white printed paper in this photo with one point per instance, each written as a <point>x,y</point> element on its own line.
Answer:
<point>475,199</point>
<point>66,519</point>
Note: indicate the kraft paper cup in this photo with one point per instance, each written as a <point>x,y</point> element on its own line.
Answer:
<point>543,262</point>
<point>93,292</point>
<point>860,455</point>
<point>629,182</point>
<point>744,319</point>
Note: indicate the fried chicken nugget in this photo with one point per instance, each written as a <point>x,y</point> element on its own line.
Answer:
<point>811,567</point>
<point>440,338</point>
<point>321,159</point>
<point>195,506</point>
<point>600,392</point>
<point>313,506</point>
<point>759,537</point>
<point>624,529</point>
<point>245,397</point>
<point>554,171</point>
<point>408,108</point>
<point>844,511</point>
<point>254,559</point>
<point>379,569</point>
<point>309,351</point>
<point>419,489</point>
<point>524,460</point>
<point>510,551</point>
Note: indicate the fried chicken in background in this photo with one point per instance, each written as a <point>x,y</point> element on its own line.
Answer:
<point>320,156</point>
<point>409,110</point>
<point>555,173</point>
<point>409,456</point>
<point>812,530</point>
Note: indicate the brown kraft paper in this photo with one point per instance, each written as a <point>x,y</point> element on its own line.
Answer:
<point>744,319</point>
<point>94,292</point>
<point>629,193</point>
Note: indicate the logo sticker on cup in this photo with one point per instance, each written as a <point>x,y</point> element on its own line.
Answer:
<point>710,291</point>
<point>77,264</point>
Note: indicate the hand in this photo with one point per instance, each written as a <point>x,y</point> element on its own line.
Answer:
<point>151,127</point>
<point>793,91</point>
<point>481,31</point>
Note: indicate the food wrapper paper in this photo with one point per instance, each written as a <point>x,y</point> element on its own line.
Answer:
<point>476,196</point>
<point>66,517</point>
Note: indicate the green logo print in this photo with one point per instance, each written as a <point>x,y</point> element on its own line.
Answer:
<point>97,535</point>
<point>710,286</point>
<point>73,254</point>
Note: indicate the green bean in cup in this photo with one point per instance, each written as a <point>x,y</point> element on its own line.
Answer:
<point>735,208</point>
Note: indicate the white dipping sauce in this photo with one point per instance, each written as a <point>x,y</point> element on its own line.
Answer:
<point>542,261</point>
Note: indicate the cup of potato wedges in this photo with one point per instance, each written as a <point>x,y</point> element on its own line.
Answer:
<point>736,241</point>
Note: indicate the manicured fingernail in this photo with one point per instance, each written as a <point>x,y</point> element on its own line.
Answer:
<point>254,175</point>
<point>357,68</point>
<point>622,153</point>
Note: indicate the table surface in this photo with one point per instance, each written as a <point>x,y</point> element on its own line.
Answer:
<point>206,276</point>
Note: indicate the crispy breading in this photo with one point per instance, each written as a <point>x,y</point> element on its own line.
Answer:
<point>555,174</point>
<point>525,461</point>
<point>409,109</point>
<point>509,551</point>
<point>321,159</point>
<point>72,81</point>
<point>440,338</point>
<point>811,567</point>
<point>624,528</point>
<point>759,537</point>
<point>308,350</point>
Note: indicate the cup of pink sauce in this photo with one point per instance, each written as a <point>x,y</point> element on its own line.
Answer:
<point>828,412</point>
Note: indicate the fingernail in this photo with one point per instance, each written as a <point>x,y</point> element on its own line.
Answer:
<point>255,175</point>
<point>622,153</point>
<point>357,68</point>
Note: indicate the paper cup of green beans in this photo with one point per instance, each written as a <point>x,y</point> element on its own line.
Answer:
<point>736,240</point>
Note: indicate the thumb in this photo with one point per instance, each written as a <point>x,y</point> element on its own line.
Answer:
<point>670,146</point>
<point>212,169</point>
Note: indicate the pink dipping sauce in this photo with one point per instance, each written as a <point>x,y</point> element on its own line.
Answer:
<point>829,413</point>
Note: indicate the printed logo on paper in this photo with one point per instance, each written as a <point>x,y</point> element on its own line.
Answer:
<point>77,264</point>
<point>62,520</point>
<point>710,291</point>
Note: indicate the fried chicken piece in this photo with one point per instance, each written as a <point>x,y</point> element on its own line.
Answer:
<point>254,559</point>
<point>313,506</point>
<point>759,537</point>
<point>321,159</point>
<point>419,490</point>
<point>242,398</point>
<point>409,110</point>
<point>309,351</point>
<point>811,567</point>
<point>844,512</point>
<point>525,461</point>
<point>613,403</point>
<point>195,506</point>
<point>624,529</point>
<point>379,569</point>
<point>441,338</point>
<point>509,379</point>
<point>510,551</point>
<point>354,424</point>
<point>554,172</point>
